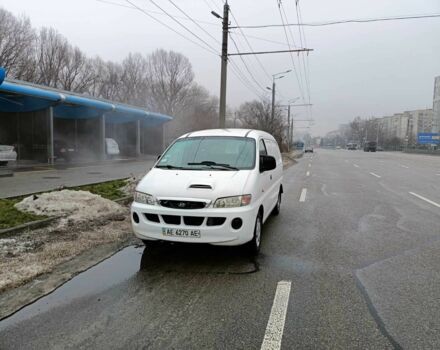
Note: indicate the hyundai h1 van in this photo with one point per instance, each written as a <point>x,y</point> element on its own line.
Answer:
<point>211,186</point>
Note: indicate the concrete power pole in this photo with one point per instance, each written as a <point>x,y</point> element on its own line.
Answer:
<point>288,128</point>
<point>224,67</point>
<point>273,100</point>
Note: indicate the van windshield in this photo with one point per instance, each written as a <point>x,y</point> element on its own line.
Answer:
<point>210,153</point>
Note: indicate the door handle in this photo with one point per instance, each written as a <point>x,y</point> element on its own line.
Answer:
<point>271,177</point>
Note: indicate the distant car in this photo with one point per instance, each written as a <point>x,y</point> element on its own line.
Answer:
<point>352,146</point>
<point>111,147</point>
<point>7,154</point>
<point>308,149</point>
<point>370,146</point>
<point>63,151</point>
<point>379,149</point>
<point>338,147</point>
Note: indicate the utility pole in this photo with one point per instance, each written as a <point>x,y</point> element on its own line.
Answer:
<point>273,100</point>
<point>288,128</point>
<point>222,109</point>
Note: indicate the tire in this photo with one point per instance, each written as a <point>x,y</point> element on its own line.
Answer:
<point>277,208</point>
<point>253,247</point>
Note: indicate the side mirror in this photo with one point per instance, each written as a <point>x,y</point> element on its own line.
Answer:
<point>267,163</point>
<point>158,157</point>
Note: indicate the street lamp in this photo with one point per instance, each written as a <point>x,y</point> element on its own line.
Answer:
<point>274,77</point>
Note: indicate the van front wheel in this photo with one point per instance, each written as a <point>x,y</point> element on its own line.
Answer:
<point>254,245</point>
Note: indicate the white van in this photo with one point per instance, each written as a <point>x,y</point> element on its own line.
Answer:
<point>211,186</point>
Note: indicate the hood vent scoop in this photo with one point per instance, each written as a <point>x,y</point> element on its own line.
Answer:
<point>201,186</point>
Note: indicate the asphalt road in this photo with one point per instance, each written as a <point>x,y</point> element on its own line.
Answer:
<point>46,179</point>
<point>352,262</point>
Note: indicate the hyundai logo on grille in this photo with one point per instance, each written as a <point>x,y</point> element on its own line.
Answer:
<point>181,204</point>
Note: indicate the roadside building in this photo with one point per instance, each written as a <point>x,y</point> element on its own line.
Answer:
<point>35,119</point>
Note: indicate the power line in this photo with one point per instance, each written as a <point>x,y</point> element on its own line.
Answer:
<point>108,2</point>
<point>183,26</point>
<point>169,27</point>
<point>329,23</point>
<point>246,66</point>
<point>194,21</point>
<point>243,79</point>
<point>250,47</point>
<point>291,55</point>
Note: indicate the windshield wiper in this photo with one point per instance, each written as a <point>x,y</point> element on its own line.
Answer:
<point>214,165</point>
<point>168,166</point>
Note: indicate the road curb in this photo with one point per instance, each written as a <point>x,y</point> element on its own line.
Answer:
<point>29,225</point>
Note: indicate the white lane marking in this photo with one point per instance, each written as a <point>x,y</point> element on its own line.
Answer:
<point>404,166</point>
<point>308,173</point>
<point>425,199</point>
<point>275,325</point>
<point>356,166</point>
<point>310,165</point>
<point>376,175</point>
<point>302,197</point>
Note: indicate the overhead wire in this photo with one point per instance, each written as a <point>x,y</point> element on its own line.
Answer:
<point>183,26</point>
<point>250,46</point>
<point>246,66</point>
<point>194,21</point>
<point>171,28</point>
<point>291,55</point>
<point>345,21</point>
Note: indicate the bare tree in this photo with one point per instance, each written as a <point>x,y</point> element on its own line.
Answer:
<point>76,74</point>
<point>169,77</point>
<point>52,55</point>
<point>17,45</point>
<point>257,115</point>
<point>134,82</point>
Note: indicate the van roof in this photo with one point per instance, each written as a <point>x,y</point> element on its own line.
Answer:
<point>229,132</point>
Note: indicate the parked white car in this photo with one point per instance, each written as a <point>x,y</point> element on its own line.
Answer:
<point>111,147</point>
<point>211,186</point>
<point>7,154</point>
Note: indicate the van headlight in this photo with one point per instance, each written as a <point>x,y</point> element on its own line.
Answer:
<point>144,198</point>
<point>233,202</point>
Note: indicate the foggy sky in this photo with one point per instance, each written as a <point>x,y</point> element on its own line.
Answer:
<point>370,69</point>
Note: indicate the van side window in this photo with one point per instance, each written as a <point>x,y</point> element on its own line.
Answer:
<point>273,150</point>
<point>262,148</point>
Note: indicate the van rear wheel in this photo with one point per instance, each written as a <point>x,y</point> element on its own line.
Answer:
<point>277,208</point>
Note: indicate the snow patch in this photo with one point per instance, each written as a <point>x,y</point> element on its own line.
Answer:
<point>75,206</point>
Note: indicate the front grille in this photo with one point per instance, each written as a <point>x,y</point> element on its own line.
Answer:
<point>215,221</point>
<point>152,217</point>
<point>171,219</point>
<point>182,204</point>
<point>193,220</point>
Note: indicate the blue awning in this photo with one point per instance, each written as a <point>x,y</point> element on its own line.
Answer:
<point>17,96</point>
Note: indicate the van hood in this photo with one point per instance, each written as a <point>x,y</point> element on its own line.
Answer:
<point>200,184</point>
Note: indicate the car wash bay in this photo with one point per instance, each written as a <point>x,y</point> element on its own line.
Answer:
<point>37,120</point>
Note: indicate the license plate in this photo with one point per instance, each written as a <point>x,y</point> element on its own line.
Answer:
<point>181,232</point>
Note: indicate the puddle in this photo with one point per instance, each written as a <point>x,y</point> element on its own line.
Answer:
<point>159,260</point>
<point>111,271</point>
<point>51,177</point>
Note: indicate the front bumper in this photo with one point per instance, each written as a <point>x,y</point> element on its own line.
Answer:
<point>222,234</point>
